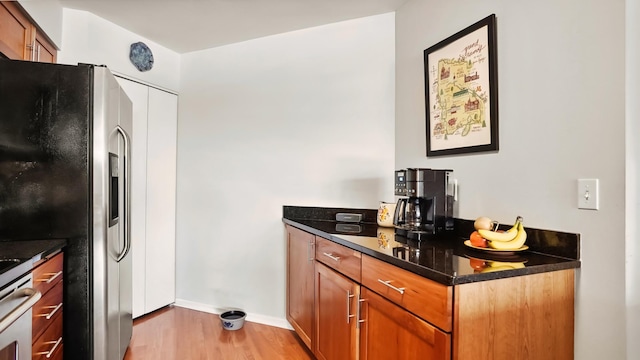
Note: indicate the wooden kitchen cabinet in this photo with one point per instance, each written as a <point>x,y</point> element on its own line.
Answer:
<point>353,322</point>
<point>398,314</point>
<point>49,344</point>
<point>44,311</point>
<point>15,31</point>
<point>388,331</point>
<point>336,304</point>
<point>20,37</point>
<point>47,312</point>
<point>300,283</point>
<point>523,317</point>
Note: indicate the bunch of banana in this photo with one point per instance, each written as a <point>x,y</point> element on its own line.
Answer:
<point>512,239</point>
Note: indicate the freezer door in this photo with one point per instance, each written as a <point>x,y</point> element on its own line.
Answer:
<point>125,259</point>
<point>111,218</point>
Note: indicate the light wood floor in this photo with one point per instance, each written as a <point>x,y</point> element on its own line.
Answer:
<point>178,333</point>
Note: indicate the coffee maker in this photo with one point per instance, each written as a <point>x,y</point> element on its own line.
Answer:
<point>425,206</point>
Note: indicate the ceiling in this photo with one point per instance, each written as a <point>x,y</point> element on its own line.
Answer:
<point>190,25</point>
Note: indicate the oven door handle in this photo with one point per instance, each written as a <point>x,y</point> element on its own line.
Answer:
<point>32,296</point>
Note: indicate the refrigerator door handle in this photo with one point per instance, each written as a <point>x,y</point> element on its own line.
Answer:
<point>127,197</point>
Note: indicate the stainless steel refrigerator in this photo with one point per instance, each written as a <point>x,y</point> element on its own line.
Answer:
<point>65,145</point>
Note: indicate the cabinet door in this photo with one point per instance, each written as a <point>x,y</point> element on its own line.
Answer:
<point>15,32</point>
<point>390,332</point>
<point>300,274</point>
<point>44,50</point>
<point>336,303</point>
<point>139,96</point>
<point>160,269</point>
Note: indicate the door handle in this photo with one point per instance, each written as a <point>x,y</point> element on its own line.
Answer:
<point>32,296</point>
<point>127,197</point>
<point>359,319</point>
<point>349,297</point>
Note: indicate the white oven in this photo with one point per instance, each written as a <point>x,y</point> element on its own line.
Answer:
<point>16,301</point>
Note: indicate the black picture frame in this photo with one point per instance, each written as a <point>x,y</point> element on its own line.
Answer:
<point>461,91</point>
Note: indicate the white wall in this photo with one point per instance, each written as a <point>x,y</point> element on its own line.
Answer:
<point>633,176</point>
<point>93,40</point>
<point>48,16</point>
<point>302,118</point>
<point>561,70</point>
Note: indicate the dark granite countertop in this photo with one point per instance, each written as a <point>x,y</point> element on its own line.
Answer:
<point>448,261</point>
<point>19,257</point>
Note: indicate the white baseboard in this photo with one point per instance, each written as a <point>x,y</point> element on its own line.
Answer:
<point>256,318</point>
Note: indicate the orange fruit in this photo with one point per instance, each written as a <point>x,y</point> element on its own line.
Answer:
<point>477,240</point>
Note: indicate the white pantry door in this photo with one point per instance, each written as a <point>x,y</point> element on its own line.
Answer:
<point>162,130</point>
<point>153,195</point>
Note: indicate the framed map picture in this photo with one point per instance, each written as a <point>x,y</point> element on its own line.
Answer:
<point>461,91</point>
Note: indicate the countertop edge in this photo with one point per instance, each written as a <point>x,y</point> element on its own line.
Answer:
<point>30,256</point>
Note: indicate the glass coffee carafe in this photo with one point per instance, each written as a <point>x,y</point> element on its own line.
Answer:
<point>413,213</point>
<point>417,213</point>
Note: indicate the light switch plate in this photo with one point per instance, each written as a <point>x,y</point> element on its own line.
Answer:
<point>588,194</point>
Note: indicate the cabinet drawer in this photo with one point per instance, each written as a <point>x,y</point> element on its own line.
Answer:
<point>46,309</point>
<point>426,298</point>
<point>48,274</point>
<point>338,257</point>
<point>49,344</point>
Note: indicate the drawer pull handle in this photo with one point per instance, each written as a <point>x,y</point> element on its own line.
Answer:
<point>49,353</point>
<point>349,316</point>
<point>55,310</point>
<point>53,277</point>
<point>387,283</point>
<point>330,256</point>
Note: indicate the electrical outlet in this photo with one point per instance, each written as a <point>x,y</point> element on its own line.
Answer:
<point>588,194</point>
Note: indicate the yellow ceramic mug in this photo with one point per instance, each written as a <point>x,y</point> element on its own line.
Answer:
<point>386,212</point>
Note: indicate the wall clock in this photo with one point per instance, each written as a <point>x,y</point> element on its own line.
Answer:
<point>141,56</point>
